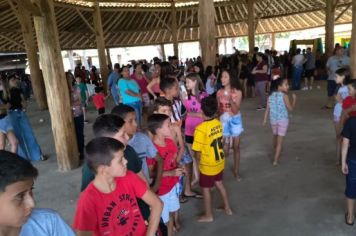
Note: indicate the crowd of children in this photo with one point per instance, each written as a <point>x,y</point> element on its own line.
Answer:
<point>139,170</point>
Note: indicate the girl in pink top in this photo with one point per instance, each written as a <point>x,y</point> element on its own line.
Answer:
<point>153,86</point>
<point>192,103</point>
<point>229,99</point>
<point>142,82</point>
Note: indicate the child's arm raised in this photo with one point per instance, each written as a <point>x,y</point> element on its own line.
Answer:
<point>290,106</point>
<point>266,114</point>
<point>156,207</point>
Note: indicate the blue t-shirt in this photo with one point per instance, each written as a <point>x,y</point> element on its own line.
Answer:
<point>125,84</point>
<point>144,148</point>
<point>46,222</point>
<point>112,82</point>
<point>277,108</point>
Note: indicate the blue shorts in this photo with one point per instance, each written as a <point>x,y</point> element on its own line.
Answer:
<point>170,203</point>
<point>350,190</point>
<point>5,125</point>
<point>232,125</point>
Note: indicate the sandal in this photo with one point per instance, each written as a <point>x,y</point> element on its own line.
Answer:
<point>196,195</point>
<point>346,220</point>
<point>182,199</point>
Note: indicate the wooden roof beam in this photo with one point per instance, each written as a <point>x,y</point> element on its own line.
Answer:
<point>31,7</point>
<point>161,21</point>
<point>86,21</point>
<point>343,11</point>
<point>12,41</point>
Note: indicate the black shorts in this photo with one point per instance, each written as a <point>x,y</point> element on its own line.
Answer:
<point>309,73</point>
<point>331,88</point>
<point>101,110</point>
<point>189,139</point>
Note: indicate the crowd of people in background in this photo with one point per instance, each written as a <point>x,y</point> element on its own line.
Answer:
<point>172,127</point>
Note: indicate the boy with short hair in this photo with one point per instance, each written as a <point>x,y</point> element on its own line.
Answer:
<point>108,205</point>
<point>141,143</point>
<point>159,126</point>
<point>208,147</point>
<point>18,215</point>
<point>99,100</point>
<point>108,125</point>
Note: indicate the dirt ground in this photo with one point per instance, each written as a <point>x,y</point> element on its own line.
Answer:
<point>302,196</point>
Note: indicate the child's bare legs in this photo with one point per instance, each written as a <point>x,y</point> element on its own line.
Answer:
<point>278,150</point>
<point>220,186</point>
<point>170,224</point>
<point>188,176</point>
<point>350,204</point>
<point>193,174</point>
<point>13,141</point>
<point>208,214</point>
<point>236,147</point>
<point>176,226</point>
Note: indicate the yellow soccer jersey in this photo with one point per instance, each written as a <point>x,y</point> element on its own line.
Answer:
<point>208,140</point>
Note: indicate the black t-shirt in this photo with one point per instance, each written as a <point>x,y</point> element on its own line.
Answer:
<point>349,132</point>
<point>133,161</point>
<point>15,98</point>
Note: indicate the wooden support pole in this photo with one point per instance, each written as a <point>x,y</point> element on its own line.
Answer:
<point>163,52</point>
<point>329,27</point>
<point>100,44</point>
<point>207,31</point>
<point>174,28</point>
<point>108,56</point>
<point>56,86</point>
<point>37,82</point>
<point>251,25</point>
<point>273,39</point>
<point>353,42</point>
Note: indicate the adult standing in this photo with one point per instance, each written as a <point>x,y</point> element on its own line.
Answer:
<point>112,83</point>
<point>335,62</point>
<point>309,70</point>
<point>130,92</point>
<point>261,77</point>
<point>297,62</point>
<point>77,113</point>
<point>28,147</point>
<point>142,82</point>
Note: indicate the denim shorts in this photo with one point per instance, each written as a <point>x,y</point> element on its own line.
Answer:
<point>350,190</point>
<point>5,125</point>
<point>232,125</point>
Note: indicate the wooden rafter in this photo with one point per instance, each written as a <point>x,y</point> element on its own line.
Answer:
<point>85,21</point>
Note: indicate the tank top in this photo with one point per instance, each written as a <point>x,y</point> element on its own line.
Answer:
<point>278,110</point>
<point>194,106</point>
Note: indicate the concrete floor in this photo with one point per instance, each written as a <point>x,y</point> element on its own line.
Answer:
<point>302,196</point>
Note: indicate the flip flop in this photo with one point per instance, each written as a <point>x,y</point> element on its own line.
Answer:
<point>347,222</point>
<point>197,196</point>
<point>183,199</point>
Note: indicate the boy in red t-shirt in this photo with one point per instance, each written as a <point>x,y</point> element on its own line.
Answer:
<point>108,205</point>
<point>159,126</point>
<point>99,100</point>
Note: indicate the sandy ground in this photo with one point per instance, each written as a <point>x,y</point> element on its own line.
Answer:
<point>302,196</point>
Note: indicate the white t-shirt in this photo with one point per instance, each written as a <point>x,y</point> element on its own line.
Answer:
<point>46,222</point>
<point>298,60</point>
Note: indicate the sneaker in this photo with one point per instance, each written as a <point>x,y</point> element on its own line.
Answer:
<point>305,88</point>
<point>86,121</point>
<point>260,108</point>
